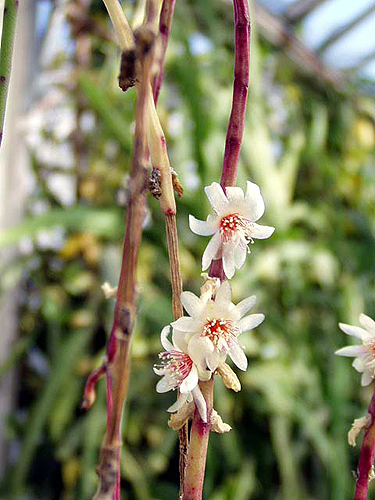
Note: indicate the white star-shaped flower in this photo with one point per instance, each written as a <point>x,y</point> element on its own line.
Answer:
<point>365,353</point>
<point>211,331</point>
<point>179,372</point>
<point>233,227</point>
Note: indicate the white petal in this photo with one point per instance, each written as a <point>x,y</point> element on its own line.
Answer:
<point>261,232</point>
<point>228,260</point>
<point>199,348</point>
<point>217,198</point>
<point>185,324</point>
<point>250,322</point>
<point>359,364</point>
<point>168,346</point>
<point>254,201</point>
<point>366,378</point>
<point>238,356</point>
<point>181,400</point>
<point>200,403</point>
<point>201,227</point>
<point>245,305</point>
<point>352,351</point>
<point>224,294</point>
<point>240,253</point>
<point>367,323</point>
<point>355,331</point>
<point>165,384</point>
<point>179,340</point>
<point>193,305</point>
<point>211,250</point>
<point>159,371</point>
<point>190,381</point>
<point>213,361</point>
<point>235,195</point>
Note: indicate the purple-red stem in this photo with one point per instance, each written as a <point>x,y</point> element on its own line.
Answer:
<point>240,88</point>
<point>200,431</point>
<point>366,459</point>
<point>166,17</point>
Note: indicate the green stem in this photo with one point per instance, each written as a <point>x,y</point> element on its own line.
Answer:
<point>7,39</point>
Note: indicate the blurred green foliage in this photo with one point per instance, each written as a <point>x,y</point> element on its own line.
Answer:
<point>311,150</point>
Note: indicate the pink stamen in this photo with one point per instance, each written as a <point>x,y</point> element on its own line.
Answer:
<point>234,225</point>
<point>177,364</point>
<point>221,328</point>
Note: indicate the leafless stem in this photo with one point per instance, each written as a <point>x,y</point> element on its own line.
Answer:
<point>166,17</point>
<point>366,459</point>
<point>117,366</point>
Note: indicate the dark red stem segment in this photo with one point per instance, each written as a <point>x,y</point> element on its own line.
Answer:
<point>366,459</point>
<point>240,89</point>
<point>166,17</point>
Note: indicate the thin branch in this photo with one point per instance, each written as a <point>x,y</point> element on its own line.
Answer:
<point>343,30</point>
<point>166,18</point>
<point>300,9</point>
<point>120,24</point>
<point>7,42</point>
<point>200,431</point>
<point>366,459</point>
<point>117,366</point>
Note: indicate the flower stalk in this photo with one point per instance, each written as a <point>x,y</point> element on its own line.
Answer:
<point>7,42</point>
<point>366,459</point>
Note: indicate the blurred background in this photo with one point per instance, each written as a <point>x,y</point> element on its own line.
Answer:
<point>309,144</point>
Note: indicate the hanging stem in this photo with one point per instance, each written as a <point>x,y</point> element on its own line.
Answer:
<point>7,42</point>
<point>117,363</point>
<point>200,431</point>
<point>366,459</point>
<point>166,18</point>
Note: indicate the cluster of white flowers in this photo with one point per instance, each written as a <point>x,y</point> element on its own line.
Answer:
<point>202,341</point>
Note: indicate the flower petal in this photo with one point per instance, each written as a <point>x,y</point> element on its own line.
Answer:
<point>352,351</point>
<point>185,324</point>
<point>199,348</point>
<point>181,400</point>
<point>359,364</point>
<point>216,197</point>
<point>213,361</point>
<point>211,250</point>
<point>228,260</point>
<point>193,305</point>
<point>224,294</point>
<point>238,356</point>
<point>168,346</point>
<point>250,322</point>
<point>367,323</point>
<point>235,195</point>
<point>190,381</point>
<point>261,232</point>
<point>179,339</point>
<point>355,331</point>
<point>366,378</point>
<point>254,201</point>
<point>165,384</point>
<point>200,403</point>
<point>245,305</point>
<point>201,227</point>
<point>240,253</point>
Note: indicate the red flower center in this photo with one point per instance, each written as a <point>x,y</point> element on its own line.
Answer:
<point>234,224</point>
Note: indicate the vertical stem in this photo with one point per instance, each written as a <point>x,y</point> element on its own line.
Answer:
<point>366,459</point>
<point>166,17</point>
<point>240,88</point>
<point>7,41</point>
<point>198,444</point>
<point>200,431</point>
<point>125,310</point>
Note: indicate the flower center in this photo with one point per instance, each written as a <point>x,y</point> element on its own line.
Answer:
<point>177,364</point>
<point>234,225</point>
<point>221,331</point>
<point>370,344</point>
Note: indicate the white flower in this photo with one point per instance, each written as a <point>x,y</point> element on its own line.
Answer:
<point>211,331</point>
<point>365,353</point>
<point>179,372</point>
<point>233,227</point>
